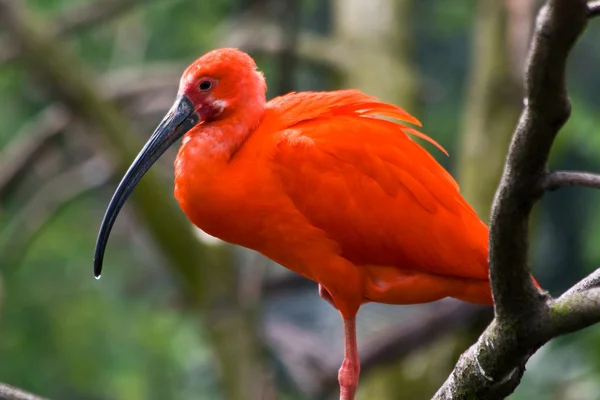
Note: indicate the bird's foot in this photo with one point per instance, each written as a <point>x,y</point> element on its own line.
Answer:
<point>326,296</point>
<point>348,379</point>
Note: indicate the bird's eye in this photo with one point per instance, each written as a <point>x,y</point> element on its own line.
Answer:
<point>205,86</point>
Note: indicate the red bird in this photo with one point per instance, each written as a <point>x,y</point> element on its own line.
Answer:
<point>317,182</point>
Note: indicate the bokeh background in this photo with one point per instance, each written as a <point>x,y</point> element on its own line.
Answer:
<point>179,315</point>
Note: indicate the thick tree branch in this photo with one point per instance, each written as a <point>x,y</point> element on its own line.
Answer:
<point>525,318</point>
<point>547,109</point>
<point>558,179</point>
<point>76,18</point>
<point>8,392</point>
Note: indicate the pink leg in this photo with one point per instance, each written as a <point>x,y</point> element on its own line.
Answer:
<point>326,296</point>
<point>348,373</point>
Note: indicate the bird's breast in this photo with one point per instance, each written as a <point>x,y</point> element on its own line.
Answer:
<point>218,198</point>
<point>243,203</point>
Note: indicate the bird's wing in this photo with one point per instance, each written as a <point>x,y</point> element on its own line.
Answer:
<point>363,181</point>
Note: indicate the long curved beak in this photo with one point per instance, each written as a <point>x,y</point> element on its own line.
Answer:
<point>180,119</point>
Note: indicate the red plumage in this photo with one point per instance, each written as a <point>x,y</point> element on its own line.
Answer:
<point>322,184</point>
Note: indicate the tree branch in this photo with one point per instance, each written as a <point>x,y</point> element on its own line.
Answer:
<point>578,307</point>
<point>559,179</point>
<point>594,9</point>
<point>547,109</point>
<point>8,392</point>
<point>525,318</point>
<point>77,18</point>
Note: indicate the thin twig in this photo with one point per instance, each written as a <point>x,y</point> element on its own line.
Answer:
<point>559,179</point>
<point>8,392</point>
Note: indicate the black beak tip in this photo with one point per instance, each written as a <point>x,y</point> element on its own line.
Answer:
<point>97,267</point>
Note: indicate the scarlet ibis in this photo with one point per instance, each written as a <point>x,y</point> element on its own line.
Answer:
<point>319,183</point>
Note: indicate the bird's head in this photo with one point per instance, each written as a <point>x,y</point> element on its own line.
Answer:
<point>223,82</point>
<point>219,84</point>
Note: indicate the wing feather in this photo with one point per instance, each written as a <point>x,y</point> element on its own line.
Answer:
<point>379,194</point>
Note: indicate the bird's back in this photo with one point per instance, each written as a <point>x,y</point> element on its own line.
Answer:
<point>364,182</point>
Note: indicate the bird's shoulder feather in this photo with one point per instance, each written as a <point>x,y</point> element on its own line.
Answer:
<point>363,181</point>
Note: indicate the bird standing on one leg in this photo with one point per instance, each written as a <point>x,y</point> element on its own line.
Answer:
<point>318,183</point>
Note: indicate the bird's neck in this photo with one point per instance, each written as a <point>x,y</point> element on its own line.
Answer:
<point>203,157</point>
<point>219,140</point>
<point>208,148</point>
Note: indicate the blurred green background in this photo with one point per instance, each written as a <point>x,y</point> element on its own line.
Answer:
<point>243,328</point>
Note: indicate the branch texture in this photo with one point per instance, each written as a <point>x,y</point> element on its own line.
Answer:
<point>525,317</point>
<point>558,179</point>
<point>8,392</point>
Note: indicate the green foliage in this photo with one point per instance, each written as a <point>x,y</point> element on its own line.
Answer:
<point>65,338</point>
